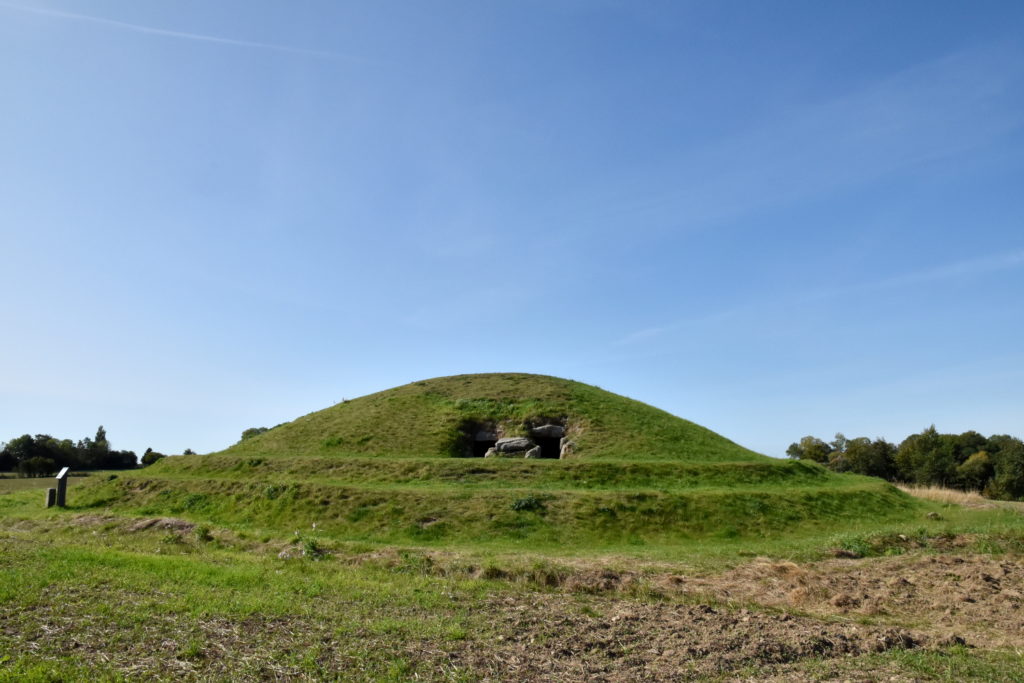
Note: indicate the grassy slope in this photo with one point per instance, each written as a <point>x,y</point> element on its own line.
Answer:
<point>498,472</point>
<point>380,468</point>
<point>422,419</point>
<point>449,515</point>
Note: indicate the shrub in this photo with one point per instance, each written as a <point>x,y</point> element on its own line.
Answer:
<point>529,503</point>
<point>37,467</point>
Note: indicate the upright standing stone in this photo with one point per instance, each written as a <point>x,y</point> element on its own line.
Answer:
<point>62,487</point>
<point>51,497</point>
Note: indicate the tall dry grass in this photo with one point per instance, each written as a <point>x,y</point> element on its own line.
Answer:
<point>939,494</point>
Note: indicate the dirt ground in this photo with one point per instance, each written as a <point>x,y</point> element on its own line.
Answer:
<point>761,616</point>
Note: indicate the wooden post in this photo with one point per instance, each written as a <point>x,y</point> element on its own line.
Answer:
<point>62,487</point>
<point>51,497</point>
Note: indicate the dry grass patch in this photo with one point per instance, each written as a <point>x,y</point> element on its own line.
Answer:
<point>939,494</point>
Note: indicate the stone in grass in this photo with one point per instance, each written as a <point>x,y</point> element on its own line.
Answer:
<point>549,431</point>
<point>513,444</point>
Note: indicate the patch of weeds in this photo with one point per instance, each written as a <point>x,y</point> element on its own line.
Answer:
<point>853,546</point>
<point>171,538</point>
<point>998,544</point>
<point>414,563</point>
<point>193,649</point>
<point>193,501</point>
<point>457,632</point>
<point>987,545</point>
<point>546,574</point>
<point>312,549</point>
<point>492,572</point>
<point>528,504</point>
<point>273,491</point>
<point>359,513</point>
<point>399,670</point>
<point>203,534</point>
<point>891,543</point>
<point>429,532</point>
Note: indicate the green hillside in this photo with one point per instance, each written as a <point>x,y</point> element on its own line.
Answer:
<point>431,419</point>
<point>423,464</point>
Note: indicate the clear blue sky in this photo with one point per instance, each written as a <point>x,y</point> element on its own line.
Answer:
<point>772,218</point>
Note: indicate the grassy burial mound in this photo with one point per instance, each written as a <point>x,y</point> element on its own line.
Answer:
<point>501,458</point>
<point>455,416</point>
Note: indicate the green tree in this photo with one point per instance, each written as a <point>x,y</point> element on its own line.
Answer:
<point>253,431</point>
<point>37,467</point>
<point>1007,482</point>
<point>976,471</point>
<point>20,449</point>
<point>927,458</point>
<point>810,448</point>
<point>151,456</point>
<point>100,443</point>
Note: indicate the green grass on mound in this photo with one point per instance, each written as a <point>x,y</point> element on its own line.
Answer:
<point>497,472</point>
<point>425,419</point>
<point>435,513</point>
<point>381,469</point>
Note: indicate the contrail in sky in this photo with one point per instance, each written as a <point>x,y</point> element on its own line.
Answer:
<point>139,28</point>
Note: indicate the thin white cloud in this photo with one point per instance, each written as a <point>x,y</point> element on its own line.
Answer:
<point>181,35</point>
<point>934,111</point>
<point>639,336</point>
<point>967,268</point>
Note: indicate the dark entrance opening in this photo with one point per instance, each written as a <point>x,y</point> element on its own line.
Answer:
<point>475,437</point>
<point>550,447</point>
<point>480,447</point>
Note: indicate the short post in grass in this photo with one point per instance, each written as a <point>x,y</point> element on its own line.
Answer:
<point>62,487</point>
<point>51,497</point>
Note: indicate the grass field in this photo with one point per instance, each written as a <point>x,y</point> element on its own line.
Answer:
<point>10,482</point>
<point>658,551</point>
<point>91,594</point>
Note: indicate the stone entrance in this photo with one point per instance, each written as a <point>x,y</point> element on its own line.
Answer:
<point>542,438</point>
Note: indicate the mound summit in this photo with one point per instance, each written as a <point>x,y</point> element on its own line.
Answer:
<point>503,459</point>
<point>509,414</point>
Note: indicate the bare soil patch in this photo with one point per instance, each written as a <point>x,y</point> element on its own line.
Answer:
<point>975,597</point>
<point>544,638</point>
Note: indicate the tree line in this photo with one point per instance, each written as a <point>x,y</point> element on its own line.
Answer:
<point>42,455</point>
<point>992,465</point>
